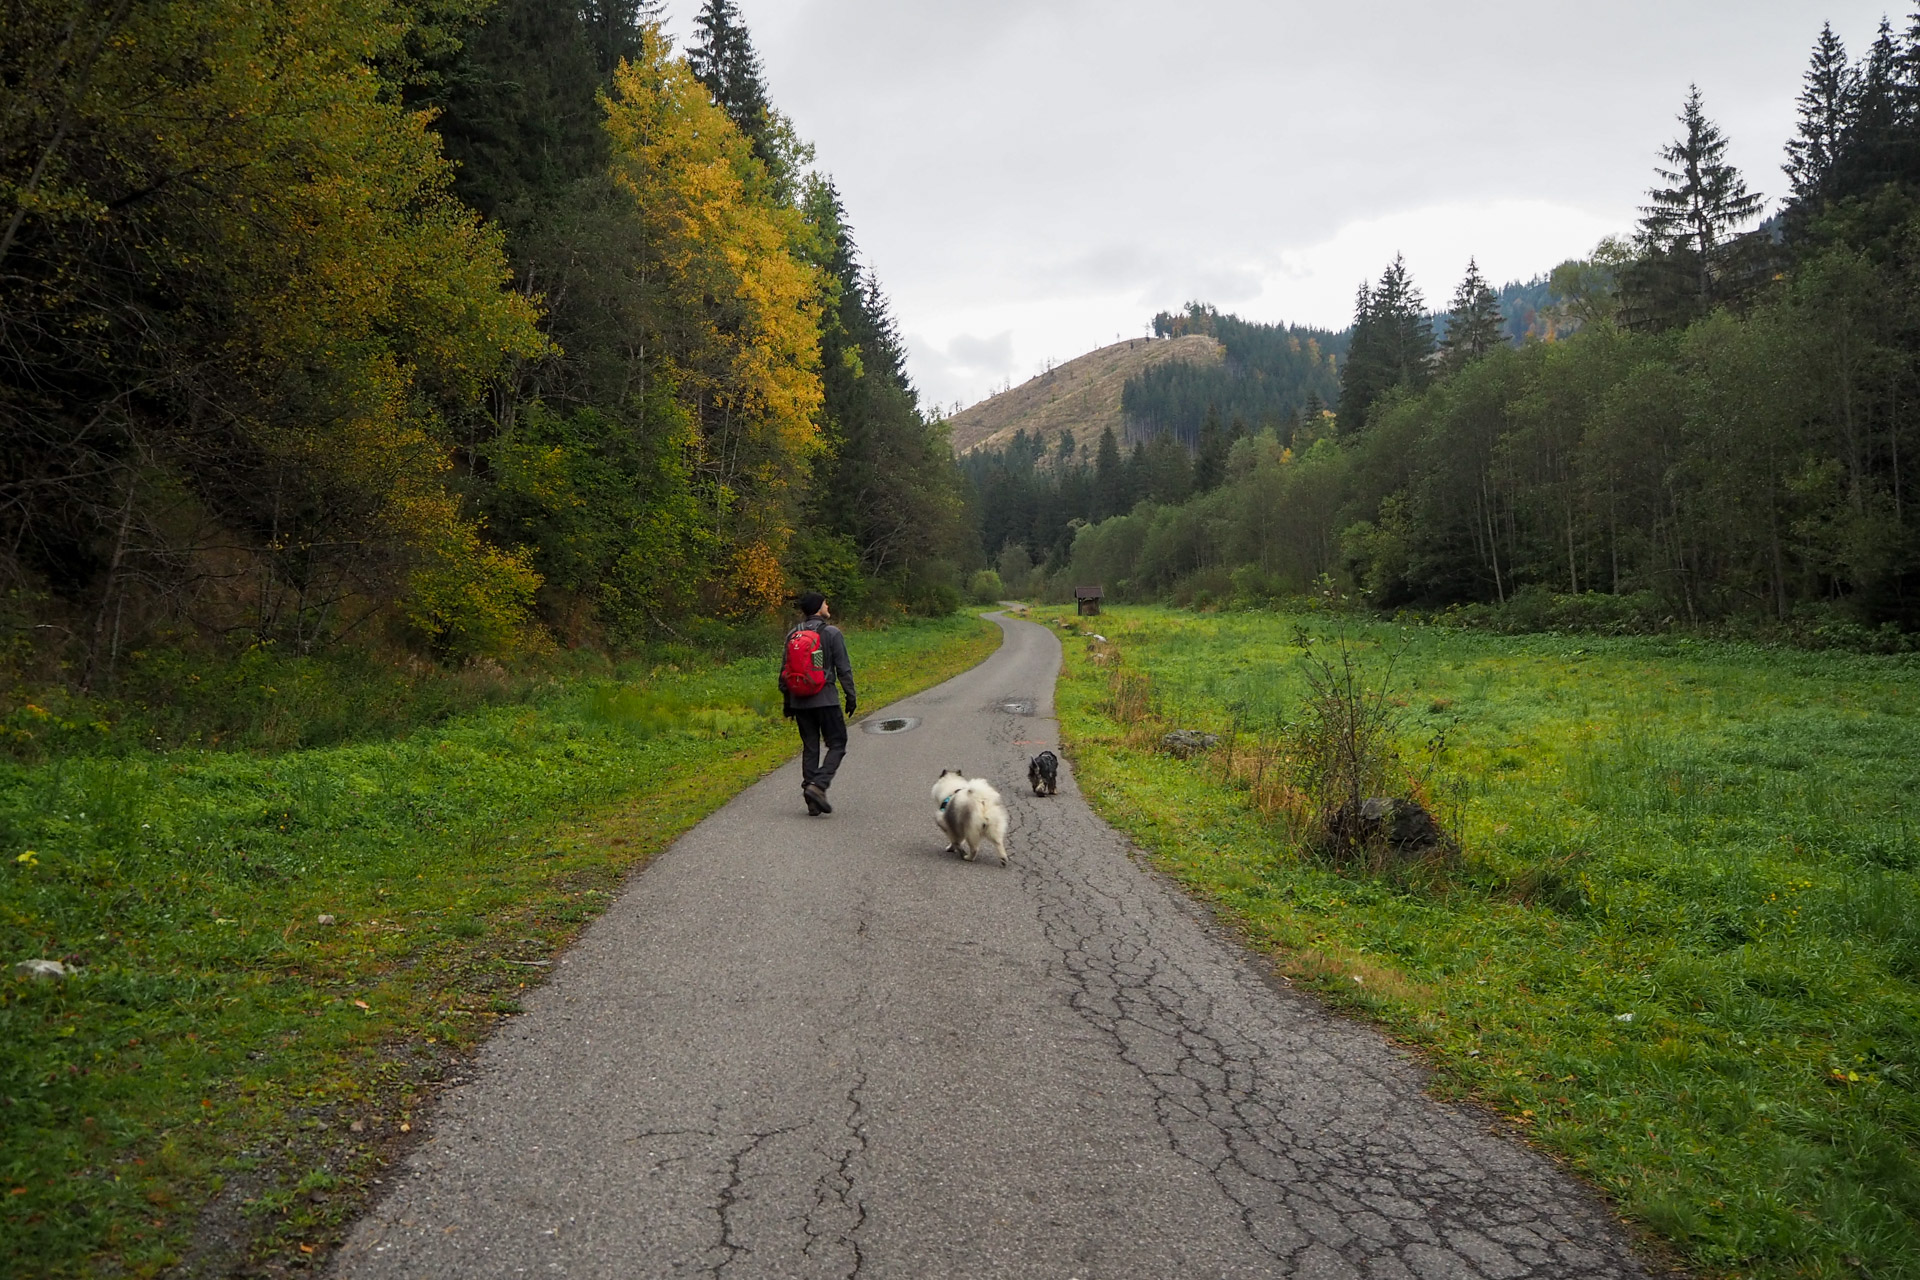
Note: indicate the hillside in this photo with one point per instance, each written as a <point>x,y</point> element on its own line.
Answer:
<point>1081,396</point>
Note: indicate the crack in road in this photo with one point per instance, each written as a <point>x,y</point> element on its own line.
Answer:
<point>835,1189</point>
<point>824,1050</point>
<point>729,1194</point>
<point>1339,1163</point>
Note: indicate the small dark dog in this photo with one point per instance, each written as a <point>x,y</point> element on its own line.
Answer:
<point>1043,771</point>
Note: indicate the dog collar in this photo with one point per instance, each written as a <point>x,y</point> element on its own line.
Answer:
<point>946,802</point>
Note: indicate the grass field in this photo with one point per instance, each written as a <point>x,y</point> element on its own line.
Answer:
<point>1683,948</point>
<point>229,1074</point>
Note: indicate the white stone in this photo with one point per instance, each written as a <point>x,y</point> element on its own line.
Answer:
<point>43,970</point>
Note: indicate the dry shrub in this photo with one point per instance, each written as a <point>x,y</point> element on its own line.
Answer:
<point>1323,777</point>
<point>1263,767</point>
<point>1368,806</point>
<point>1131,696</point>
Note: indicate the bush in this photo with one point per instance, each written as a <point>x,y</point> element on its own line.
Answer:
<point>1344,755</point>
<point>1204,588</point>
<point>985,587</point>
<point>1016,569</point>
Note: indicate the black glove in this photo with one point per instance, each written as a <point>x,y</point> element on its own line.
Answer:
<point>850,704</point>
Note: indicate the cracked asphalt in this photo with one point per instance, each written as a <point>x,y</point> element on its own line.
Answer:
<point>823,1047</point>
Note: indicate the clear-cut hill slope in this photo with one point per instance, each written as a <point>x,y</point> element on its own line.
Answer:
<point>1081,396</point>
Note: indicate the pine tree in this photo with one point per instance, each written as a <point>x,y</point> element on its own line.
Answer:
<point>1139,476</point>
<point>1903,149</point>
<point>1210,458</point>
<point>723,59</point>
<point>1169,471</point>
<point>884,483</point>
<point>1109,478</point>
<point>1359,376</point>
<point>1826,106</point>
<point>1474,322</point>
<point>1392,339</point>
<point>517,112</point>
<point>1405,329</point>
<point>612,28</point>
<point>1706,197</point>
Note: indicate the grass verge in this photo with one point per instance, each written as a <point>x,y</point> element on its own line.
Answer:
<point>229,1074</point>
<point>1683,949</point>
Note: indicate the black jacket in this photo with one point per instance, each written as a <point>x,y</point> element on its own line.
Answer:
<point>838,667</point>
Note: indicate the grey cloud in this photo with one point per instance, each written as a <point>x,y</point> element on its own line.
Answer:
<point>986,355</point>
<point>961,369</point>
<point>1112,155</point>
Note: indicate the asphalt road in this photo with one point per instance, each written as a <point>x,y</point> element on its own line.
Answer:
<point>821,1047</point>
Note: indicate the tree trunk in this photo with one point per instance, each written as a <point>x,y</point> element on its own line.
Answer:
<point>107,599</point>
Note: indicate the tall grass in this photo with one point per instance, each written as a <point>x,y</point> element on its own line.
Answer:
<point>1680,948</point>
<point>223,1040</point>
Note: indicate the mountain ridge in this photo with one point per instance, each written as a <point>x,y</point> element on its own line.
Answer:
<point>1081,396</point>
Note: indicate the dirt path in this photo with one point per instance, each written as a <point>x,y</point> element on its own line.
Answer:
<point>821,1047</point>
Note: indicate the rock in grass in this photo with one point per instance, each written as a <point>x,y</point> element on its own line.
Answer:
<point>323,918</point>
<point>1183,743</point>
<point>1395,825</point>
<point>43,971</point>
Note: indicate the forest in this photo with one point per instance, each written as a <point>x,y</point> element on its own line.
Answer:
<point>438,327</point>
<point>1709,423</point>
<point>1031,497</point>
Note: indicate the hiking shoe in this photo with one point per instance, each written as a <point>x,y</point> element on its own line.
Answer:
<point>817,798</point>
<point>813,806</point>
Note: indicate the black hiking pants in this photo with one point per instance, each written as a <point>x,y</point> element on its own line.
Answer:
<point>821,725</point>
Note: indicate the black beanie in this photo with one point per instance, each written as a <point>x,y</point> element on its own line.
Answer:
<point>810,602</point>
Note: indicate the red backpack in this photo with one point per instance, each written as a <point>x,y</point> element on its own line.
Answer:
<point>804,673</point>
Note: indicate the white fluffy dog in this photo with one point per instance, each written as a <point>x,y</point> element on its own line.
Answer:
<point>971,812</point>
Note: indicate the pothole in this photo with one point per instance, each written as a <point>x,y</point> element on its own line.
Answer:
<point>892,724</point>
<point>1017,706</point>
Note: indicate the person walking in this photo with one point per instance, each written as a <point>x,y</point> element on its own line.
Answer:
<point>815,658</point>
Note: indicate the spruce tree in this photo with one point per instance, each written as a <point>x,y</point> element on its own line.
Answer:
<point>1169,471</point>
<point>1210,458</point>
<point>1392,340</point>
<point>1404,328</point>
<point>883,484</point>
<point>1826,105</point>
<point>1360,374</point>
<point>723,59</point>
<point>1705,198</point>
<point>1902,152</point>
<point>1109,478</point>
<point>1139,476</point>
<point>1474,323</point>
<point>612,28</point>
<point>517,112</point>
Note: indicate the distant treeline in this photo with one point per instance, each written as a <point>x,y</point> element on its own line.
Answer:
<point>1729,432</point>
<point>469,326</point>
<point>1268,373</point>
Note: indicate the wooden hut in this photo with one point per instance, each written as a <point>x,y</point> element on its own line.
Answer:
<point>1088,601</point>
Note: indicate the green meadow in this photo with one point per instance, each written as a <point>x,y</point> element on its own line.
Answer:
<point>1681,950</point>
<point>229,1073</point>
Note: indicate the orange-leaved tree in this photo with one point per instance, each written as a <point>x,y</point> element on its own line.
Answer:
<point>734,314</point>
<point>244,323</point>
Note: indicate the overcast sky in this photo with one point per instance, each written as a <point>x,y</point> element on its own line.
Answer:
<point>1034,178</point>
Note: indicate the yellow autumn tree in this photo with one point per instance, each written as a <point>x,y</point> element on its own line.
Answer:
<point>734,320</point>
<point>247,324</point>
